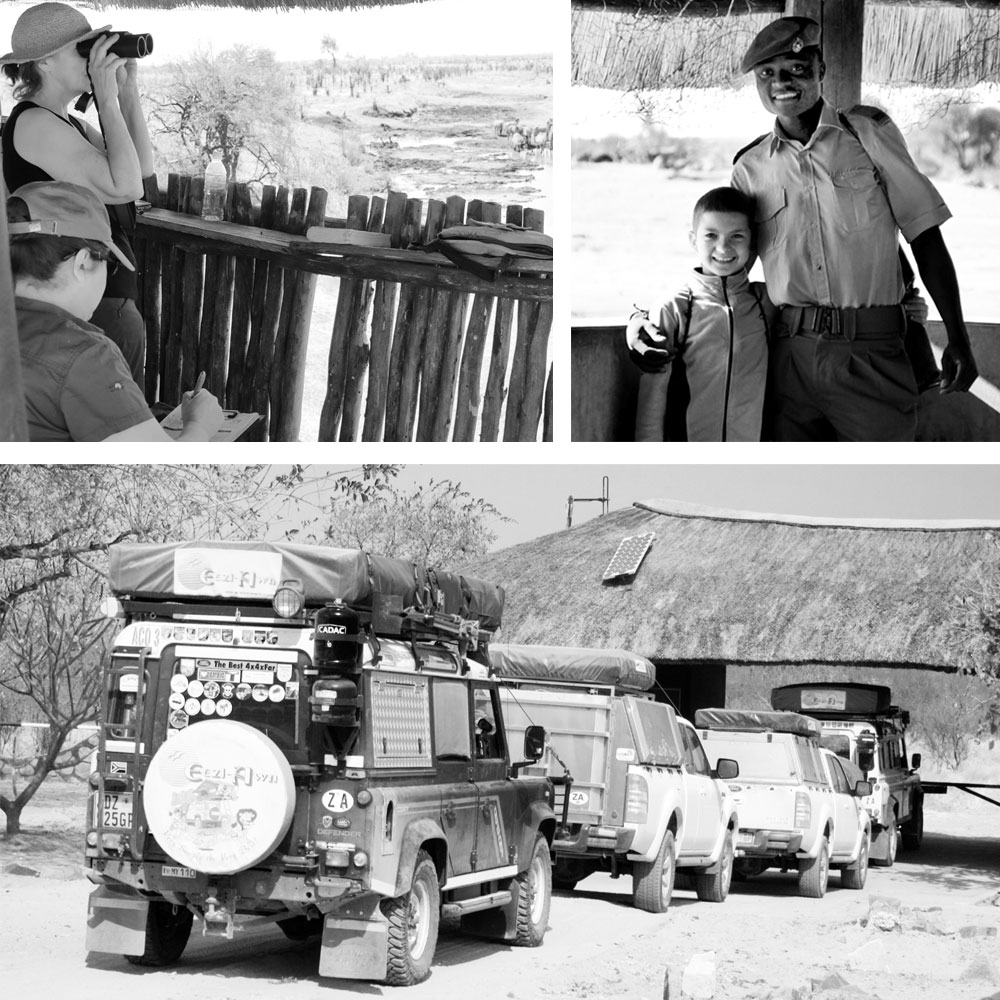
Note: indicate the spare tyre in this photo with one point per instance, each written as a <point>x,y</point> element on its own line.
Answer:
<point>219,796</point>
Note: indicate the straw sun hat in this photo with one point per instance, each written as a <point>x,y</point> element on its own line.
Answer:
<point>47,28</point>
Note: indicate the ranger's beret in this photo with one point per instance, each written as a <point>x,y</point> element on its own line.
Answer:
<point>787,35</point>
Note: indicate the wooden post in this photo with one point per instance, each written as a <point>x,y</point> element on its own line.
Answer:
<point>13,425</point>
<point>842,23</point>
<point>242,296</point>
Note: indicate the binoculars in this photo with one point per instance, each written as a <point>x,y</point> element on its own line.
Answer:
<point>127,46</point>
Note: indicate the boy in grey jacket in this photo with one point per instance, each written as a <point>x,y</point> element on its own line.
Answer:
<point>713,331</point>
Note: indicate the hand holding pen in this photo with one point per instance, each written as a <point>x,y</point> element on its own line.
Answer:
<point>199,407</point>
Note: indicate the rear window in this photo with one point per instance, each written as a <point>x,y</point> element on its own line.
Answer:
<point>758,759</point>
<point>809,762</point>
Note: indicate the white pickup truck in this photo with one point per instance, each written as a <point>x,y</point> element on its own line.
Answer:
<point>797,809</point>
<point>642,798</point>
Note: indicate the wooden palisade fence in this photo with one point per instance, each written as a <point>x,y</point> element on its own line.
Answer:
<point>408,358</point>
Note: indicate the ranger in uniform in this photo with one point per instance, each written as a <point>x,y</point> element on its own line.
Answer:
<point>832,191</point>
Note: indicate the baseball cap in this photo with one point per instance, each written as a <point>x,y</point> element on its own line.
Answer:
<point>47,28</point>
<point>787,35</point>
<point>57,208</point>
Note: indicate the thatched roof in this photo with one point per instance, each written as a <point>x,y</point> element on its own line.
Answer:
<point>254,4</point>
<point>660,44</point>
<point>735,588</point>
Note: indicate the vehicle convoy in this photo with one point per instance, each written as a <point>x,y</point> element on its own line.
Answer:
<point>287,735</point>
<point>790,815</point>
<point>860,724</point>
<point>639,797</point>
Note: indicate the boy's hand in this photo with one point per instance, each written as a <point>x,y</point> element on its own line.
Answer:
<point>915,306</point>
<point>644,339</point>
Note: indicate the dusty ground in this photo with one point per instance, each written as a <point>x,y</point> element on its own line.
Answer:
<point>765,938</point>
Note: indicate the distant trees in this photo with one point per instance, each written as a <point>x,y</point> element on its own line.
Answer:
<point>231,105</point>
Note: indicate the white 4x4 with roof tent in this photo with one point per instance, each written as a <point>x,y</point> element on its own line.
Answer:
<point>790,815</point>
<point>860,724</point>
<point>634,790</point>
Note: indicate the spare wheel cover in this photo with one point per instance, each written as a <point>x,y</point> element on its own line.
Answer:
<point>219,796</point>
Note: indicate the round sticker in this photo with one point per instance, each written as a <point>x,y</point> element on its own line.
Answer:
<point>223,708</point>
<point>242,692</point>
<point>187,667</point>
<point>178,720</point>
<point>192,706</point>
<point>276,693</point>
<point>337,800</point>
<point>178,683</point>
<point>207,706</point>
<point>283,672</point>
<point>176,700</point>
<point>200,806</point>
<point>211,689</point>
<point>195,688</point>
<point>259,692</point>
<point>227,690</point>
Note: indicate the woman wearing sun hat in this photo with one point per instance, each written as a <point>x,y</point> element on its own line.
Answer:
<point>41,142</point>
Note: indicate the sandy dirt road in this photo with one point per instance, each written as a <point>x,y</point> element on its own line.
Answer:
<point>765,938</point>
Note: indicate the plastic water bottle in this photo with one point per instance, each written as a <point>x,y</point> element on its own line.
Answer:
<point>214,203</point>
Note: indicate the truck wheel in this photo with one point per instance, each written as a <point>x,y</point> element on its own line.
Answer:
<point>413,926</point>
<point>653,881</point>
<point>714,888</point>
<point>855,875</point>
<point>885,846</point>
<point>534,895</point>
<point>168,928</point>
<point>913,829</point>
<point>814,873</point>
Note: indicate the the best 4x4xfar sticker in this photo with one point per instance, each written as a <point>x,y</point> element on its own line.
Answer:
<point>219,796</point>
<point>226,572</point>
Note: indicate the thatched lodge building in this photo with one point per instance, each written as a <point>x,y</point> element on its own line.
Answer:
<point>723,589</point>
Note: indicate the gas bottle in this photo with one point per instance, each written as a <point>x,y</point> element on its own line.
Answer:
<point>335,646</point>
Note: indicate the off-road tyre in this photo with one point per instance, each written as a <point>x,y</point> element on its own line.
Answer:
<point>168,928</point>
<point>653,881</point>
<point>714,888</point>
<point>855,875</point>
<point>300,927</point>
<point>885,846</point>
<point>814,873</point>
<point>913,828</point>
<point>534,896</point>
<point>413,926</point>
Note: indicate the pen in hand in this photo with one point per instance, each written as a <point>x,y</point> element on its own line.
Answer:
<point>199,384</point>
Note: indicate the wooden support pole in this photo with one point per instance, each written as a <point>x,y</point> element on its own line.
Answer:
<point>842,23</point>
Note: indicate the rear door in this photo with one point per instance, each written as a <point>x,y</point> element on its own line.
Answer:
<point>704,799</point>
<point>845,830</point>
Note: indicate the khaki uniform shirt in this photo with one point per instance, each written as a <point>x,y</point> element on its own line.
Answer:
<point>825,233</point>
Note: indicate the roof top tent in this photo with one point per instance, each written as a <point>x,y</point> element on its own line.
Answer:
<point>823,700</point>
<point>249,573</point>
<point>758,722</point>
<point>617,668</point>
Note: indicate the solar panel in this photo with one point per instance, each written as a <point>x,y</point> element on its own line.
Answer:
<point>631,552</point>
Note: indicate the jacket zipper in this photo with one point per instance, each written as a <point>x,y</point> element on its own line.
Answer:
<point>729,362</point>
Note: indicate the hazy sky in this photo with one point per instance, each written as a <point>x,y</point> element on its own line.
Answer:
<point>535,495</point>
<point>439,27</point>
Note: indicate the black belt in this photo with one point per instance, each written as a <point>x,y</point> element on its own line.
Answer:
<point>833,322</point>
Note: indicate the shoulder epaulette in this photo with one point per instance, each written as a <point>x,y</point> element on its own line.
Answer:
<point>877,115</point>
<point>750,145</point>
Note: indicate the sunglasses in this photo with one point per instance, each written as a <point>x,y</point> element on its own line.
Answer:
<point>106,255</point>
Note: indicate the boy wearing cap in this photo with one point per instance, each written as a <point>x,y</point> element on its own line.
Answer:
<point>77,386</point>
<point>832,191</point>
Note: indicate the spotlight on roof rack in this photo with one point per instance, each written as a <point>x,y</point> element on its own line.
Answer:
<point>289,599</point>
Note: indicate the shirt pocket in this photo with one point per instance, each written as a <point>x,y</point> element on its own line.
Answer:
<point>860,200</point>
<point>770,220</point>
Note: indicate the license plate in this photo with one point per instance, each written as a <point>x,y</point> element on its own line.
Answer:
<point>169,871</point>
<point>116,810</point>
<point>744,838</point>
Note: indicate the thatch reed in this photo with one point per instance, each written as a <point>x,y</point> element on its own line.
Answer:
<point>651,48</point>
<point>254,4</point>
<point>723,587</point>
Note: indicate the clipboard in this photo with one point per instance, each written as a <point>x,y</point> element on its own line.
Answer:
<point>234,424</point>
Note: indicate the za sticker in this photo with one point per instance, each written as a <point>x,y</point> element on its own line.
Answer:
<point>337,800</point>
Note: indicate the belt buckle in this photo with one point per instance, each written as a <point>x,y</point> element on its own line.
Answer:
<point>827,322</point>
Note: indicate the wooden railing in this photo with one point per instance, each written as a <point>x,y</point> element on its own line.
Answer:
<point>408,349</point>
